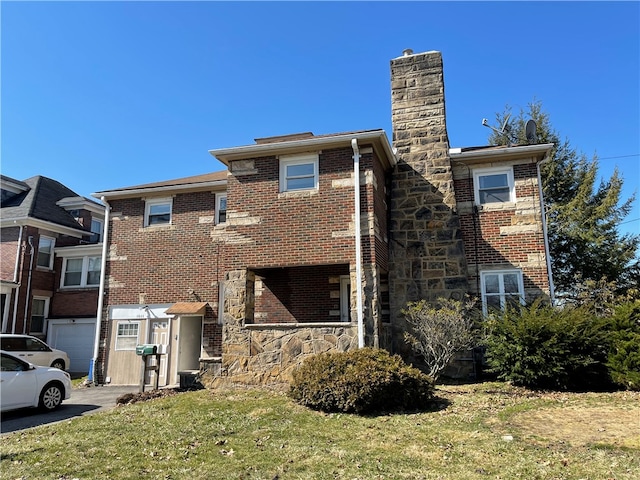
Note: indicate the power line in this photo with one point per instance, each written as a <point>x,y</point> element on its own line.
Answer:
<point>629,221</point>
<point>621,156</point>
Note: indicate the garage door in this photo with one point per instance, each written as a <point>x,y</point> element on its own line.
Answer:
<point>75,338</point>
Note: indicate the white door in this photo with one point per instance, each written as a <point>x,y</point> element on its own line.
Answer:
<point>75,338</point>
<point>158,334</point>
<point>189,343</point>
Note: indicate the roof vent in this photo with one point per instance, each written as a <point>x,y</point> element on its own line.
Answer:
<point>406,52</point>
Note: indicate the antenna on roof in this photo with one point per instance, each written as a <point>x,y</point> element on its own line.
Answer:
<point>530,132</point>
<point>504,131</point>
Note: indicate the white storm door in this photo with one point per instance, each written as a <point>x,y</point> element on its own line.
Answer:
<point>159,334</point>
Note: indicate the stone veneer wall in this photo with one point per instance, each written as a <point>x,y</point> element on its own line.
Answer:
<point>427,258</point>
<point>267,354</point>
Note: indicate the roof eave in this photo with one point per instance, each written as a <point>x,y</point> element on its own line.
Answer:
<point>378,137</point>
<point>542,149</point>
<point>162,189</point>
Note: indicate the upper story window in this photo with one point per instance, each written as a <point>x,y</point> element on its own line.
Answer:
<point>221,207</point>
<point>501,288</point>
<point>81,272</point>
<point>493,185</point>
<point>45,252</point>
<point>298,172</point>
<point>158,211</point>
<point>96,229</point>
<point>39,313</point>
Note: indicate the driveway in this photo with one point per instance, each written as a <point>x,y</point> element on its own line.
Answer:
<point>83,401</point>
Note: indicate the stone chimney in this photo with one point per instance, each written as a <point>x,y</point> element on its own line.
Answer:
<point>427,257</point>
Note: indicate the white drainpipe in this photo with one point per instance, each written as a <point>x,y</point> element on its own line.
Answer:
<point>544,231</point>
<point>103,267</point>
<point>16,291</point>
<point>26,303</point>
<point>356,181</point>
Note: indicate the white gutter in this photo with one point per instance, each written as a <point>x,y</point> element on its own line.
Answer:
<point>521,150</point>
<point>136,192</point>
<point>544,230</point>
<point>26,303</point>
<point>16,292</point>
<point>17,267</point>
<point>103,267</point>
<point>378,137</point>
<point>356,181</point>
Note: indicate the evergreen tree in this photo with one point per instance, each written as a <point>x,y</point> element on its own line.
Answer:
<point>582,215</point>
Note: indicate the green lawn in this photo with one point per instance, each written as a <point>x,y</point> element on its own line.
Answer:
<point>482,431</point>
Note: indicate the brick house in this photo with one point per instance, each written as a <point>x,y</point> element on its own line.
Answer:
<point>247,271</point>
<point>51,259</point>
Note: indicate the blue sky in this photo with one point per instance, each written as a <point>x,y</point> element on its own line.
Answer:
<point>101,95</point>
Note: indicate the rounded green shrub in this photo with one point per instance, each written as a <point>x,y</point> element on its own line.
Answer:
<point>360,381</point>
<point>551,348</point>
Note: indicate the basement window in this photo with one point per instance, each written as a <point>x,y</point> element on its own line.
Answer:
<point>500,289</point>
<point>493,185</point>
<point>298,172</point>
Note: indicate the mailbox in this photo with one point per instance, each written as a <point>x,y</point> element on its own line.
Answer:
<point>147,349</point>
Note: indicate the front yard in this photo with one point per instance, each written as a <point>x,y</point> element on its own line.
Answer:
<point>482,431</point>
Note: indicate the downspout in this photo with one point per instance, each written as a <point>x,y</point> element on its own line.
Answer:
<point>15,280</point>
<point>358,239</point>
<point>544,230</point>
<point>103,267</point>
<point>28,294</point>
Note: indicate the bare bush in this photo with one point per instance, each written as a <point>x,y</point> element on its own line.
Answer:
<point>440,329</point>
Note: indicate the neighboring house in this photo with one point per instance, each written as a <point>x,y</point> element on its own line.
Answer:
<point>51,256</point>
<point>247,271</point>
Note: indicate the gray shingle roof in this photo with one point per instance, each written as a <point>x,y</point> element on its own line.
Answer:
<point>40,202</point>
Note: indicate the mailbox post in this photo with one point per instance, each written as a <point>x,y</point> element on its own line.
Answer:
<point>145,351</point>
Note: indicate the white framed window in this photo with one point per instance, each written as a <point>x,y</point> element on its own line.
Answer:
<point>345,298</point>
<point>127,335</point>
<point>494,185</point>
<point>298,172</point>
<point>45,252</point>
<point>221,208</point>
<point>157,211</point>
<point>97,229</point>
<point>501,288</point>
<point>39,314</point>
<point>80,272</point>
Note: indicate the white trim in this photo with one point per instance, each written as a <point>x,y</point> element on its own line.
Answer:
<point>484,172</point>
<point>221,293</point>
<point>501,294</point>
<point>219,197</point>
<point>345,296</point>
<point>302,159</point>
<point>42,225</point>
<point>151,202</point>
<point>137,192</point>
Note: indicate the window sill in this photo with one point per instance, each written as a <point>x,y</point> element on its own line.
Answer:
<point>157,228</point>
<point>493,207</point>
<point>298,193</point>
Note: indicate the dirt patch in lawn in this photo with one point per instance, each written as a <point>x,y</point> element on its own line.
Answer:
<point>581,426</point>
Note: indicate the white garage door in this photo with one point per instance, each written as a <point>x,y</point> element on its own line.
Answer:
<point>75,338</point>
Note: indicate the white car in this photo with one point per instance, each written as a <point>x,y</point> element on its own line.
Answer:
<point>23,384</point>
<point>34,350</point>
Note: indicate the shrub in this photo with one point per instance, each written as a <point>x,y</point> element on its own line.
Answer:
<point>624,355</point>
<point>544,347</point>
<point>360,381</point>
<point>440,329</point>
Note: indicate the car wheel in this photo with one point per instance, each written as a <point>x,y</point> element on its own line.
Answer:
<point>58,364</point>
<point>51,396</point>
